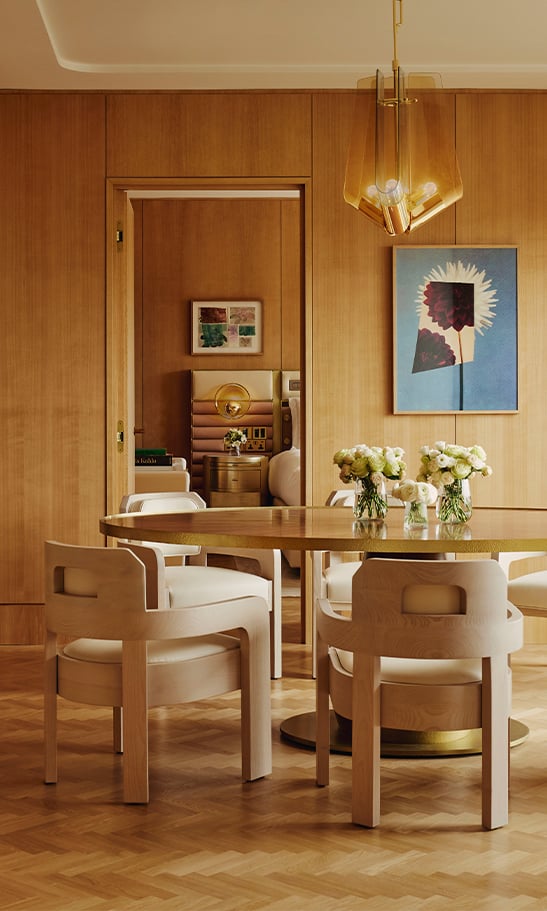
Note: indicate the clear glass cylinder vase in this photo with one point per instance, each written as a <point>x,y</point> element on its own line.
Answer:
<point>415,515</point>
<point>370,499</point>
<point>454,504</point>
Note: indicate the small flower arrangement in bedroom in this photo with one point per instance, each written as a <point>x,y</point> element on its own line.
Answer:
<point>235,438</point>
<point>417,496</point>
<point>449,467</point>
<point>369,467</point>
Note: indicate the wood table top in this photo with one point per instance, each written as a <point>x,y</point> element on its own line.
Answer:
<point>490,530</point>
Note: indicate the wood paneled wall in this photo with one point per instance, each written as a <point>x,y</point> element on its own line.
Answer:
<point>52,342</point>
<point>210,249</point>
<point>501,144</point>
<point>56,152</point>
<point>209,134</point>
<point>353,313</point>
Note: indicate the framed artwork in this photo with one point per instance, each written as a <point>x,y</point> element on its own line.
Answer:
<point>455,344</point>
<point>226,327</point>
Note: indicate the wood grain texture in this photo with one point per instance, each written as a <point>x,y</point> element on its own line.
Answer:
<point>207,840</point>
<point>504,203</point>
<point>197,134</point>
<point>352,314</point>
<point>52,264</point>
<point>215,249</point>
<point>56,150</point>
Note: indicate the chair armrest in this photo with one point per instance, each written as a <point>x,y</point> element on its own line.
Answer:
<point>157,593</point>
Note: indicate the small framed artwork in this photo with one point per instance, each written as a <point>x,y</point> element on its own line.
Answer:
<point>226,327</point>
<point>455,341</point>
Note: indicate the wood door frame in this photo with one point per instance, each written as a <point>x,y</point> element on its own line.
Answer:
<point>120,310</point>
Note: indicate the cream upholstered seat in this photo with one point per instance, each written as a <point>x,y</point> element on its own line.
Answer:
<point>162,501</point>
<point>526,585</point>
<point>133,654</point>
<point>195,580</point>
<point>430,643</point>
<point>338,572</point>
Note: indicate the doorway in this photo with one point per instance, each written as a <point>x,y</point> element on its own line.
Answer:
<point>121,297</point>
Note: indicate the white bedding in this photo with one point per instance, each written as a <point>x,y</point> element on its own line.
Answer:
<point>284,477</point>
<point>284,469</point>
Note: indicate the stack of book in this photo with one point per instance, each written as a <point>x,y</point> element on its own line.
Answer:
<point>153,458</point>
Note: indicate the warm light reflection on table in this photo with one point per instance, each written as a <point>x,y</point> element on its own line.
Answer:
<point>490,530</point>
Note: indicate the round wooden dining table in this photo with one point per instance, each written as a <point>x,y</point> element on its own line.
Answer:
<point>319,528</point>
<point>316,529</point>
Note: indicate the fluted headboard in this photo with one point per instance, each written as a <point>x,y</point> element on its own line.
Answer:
<point>262,421</point>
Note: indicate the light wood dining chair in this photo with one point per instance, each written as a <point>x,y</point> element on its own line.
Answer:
<point>338,568</point>
<point>425,649</point>
<point>526,580</point>
<point>128,652</point>
<point>192,577</point>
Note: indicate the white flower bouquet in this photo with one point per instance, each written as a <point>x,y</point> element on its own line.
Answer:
<point>368,467</point>
<point>235,437</point>
<point>449,467</point>
<point>417,496</point>
<point>444,463</point>
<point>415,492</point>
<point>368,461</point>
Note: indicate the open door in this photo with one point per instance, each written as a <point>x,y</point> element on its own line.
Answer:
<point>120,398</point>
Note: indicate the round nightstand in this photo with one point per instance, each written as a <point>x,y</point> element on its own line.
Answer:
<point>231,480</point>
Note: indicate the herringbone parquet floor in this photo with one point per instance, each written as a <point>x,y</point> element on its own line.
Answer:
<point>206,841</point>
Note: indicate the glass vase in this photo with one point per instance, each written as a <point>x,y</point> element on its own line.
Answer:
<point>370,499</point>
<point>415,515</point>
<point>454,506</point>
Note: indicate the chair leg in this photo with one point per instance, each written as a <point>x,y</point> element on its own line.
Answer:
<point>50,709</point>
<point>135,722</point>
<point>322,713</point>
<point>365,748</point>
<point>256,723</point>
<point>495,743</point>
<point>117,729</point>
<point>276,624</point>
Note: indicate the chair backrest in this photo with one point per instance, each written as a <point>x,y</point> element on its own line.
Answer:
<point>507,559</point>
<point>93,591</point>
<point>163,502</point>
<point>346,497</point>
<point>432,609</point>
<point>340,498</point>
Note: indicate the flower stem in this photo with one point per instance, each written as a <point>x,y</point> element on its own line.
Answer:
<point>453,505</point>
<point>369,500</point>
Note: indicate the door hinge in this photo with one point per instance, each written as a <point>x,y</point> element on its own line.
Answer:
<point>120,436</point>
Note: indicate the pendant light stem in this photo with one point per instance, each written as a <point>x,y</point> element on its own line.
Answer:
<point>397,22</point>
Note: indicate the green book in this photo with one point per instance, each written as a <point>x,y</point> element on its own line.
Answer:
<point>150,452</point>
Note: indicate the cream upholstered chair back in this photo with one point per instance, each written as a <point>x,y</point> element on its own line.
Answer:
<point>159,502</point>
<point>125,651</point>
<point>265,564</point>
<point>527,580</point>
<point>429,643</point>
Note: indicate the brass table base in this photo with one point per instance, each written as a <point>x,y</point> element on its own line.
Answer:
<point>300,731</point>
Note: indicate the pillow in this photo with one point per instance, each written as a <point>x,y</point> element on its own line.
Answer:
<point>294,405</point>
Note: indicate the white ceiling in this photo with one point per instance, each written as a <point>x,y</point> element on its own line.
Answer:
<point>208,44</point>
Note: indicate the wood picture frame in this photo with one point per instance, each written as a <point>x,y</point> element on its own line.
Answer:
<point>227,327</point>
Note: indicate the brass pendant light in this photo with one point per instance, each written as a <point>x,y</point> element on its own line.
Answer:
<point>402,167</point>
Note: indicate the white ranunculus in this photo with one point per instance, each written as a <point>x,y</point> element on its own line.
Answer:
<point>427,493</point>
<point>407,491</point>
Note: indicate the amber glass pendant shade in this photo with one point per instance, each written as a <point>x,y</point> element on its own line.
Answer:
<point>402,167</point>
